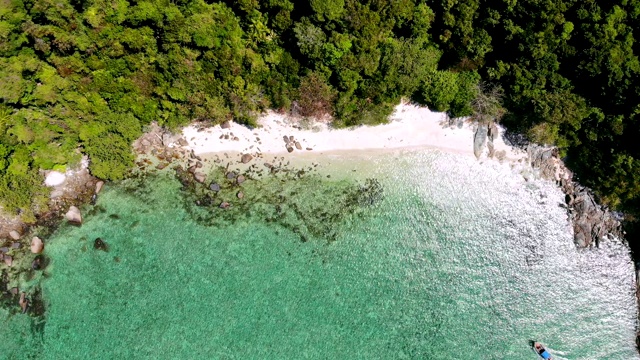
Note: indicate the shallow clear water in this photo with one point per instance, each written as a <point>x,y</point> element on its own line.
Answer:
<point>459,260</point>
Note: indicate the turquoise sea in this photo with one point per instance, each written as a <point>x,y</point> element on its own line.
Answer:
<point>436,256</point>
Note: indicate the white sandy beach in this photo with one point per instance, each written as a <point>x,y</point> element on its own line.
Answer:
<point>409,127</point>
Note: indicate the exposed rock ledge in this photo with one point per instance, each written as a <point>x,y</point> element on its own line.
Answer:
<point>591,222</point>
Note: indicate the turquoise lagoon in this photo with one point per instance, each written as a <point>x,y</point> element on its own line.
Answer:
<point>453,259</point>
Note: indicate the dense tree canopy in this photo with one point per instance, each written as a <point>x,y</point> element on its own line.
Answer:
<point>87,76</point>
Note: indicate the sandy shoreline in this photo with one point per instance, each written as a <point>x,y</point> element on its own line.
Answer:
<point>409,127</point>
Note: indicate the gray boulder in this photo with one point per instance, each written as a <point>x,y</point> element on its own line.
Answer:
<point>479,140</point>
<point>246,158</point>
<point>493,132</point>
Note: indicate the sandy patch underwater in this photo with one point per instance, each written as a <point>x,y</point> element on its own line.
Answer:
<point>457,260</point>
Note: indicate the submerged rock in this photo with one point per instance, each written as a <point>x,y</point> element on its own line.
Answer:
<point>38,263</point>
<point>298,146</point>
<point>214,187</point>
<point>99,244</point>
<point>14,235</point>
<point>23,302</point>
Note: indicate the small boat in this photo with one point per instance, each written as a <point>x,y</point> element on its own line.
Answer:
<point>540,350</point>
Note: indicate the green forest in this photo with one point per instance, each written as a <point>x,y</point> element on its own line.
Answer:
<point>85,77</point>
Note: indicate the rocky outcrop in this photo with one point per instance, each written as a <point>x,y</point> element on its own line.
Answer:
<point>546,160</point>
<point>591,221</point>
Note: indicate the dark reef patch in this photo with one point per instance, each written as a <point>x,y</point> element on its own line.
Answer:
<point>299,200</point>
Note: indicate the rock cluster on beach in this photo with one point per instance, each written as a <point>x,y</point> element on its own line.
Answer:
<point>484,136</point>
<point>291,143</point>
